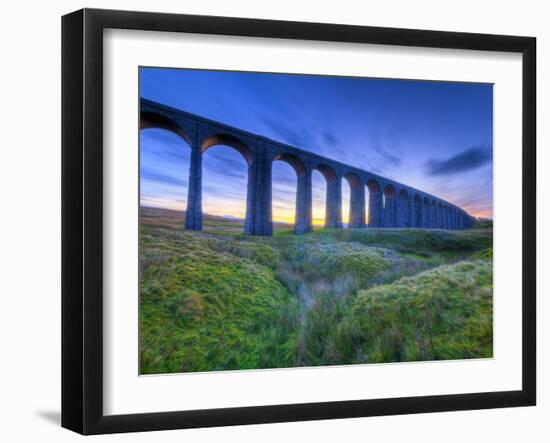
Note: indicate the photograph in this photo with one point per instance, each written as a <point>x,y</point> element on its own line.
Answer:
<point>293,220</point>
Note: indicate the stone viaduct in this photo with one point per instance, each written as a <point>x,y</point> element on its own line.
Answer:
<point>391,204</point>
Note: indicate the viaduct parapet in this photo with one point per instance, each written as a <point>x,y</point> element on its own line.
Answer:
<point>390,204</point>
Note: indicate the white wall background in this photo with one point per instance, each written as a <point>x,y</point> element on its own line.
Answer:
<point>30,222</point>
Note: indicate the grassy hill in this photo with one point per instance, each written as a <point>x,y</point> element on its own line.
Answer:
<point>218,300</point>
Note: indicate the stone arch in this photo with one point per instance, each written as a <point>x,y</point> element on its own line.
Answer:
<point>356,201</point>
<point>227,140</point>
<point>157,121</point>
<point>293,160</point>
<point>404,210</point>
<point>302,206</point>
<point>426,213</point>
<point>375,204</point>
<point>227,169</point>
<point>353,179</point>
<point>440,215</point>
<point>327,172</point>
<point>390,206</point>
<point>333,201</point>
<point>418,214</point>
<point>149,120</point>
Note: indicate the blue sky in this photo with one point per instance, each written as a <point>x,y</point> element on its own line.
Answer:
<point>435,136</point>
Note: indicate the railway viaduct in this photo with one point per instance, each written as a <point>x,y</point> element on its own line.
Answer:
<point>390,204</point>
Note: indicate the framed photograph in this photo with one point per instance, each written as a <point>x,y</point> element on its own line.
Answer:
<point>269,221</point>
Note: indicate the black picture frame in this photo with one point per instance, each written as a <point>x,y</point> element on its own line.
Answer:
<point>82,217</point>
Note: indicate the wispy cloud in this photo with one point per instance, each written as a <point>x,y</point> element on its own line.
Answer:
<point>291,134</point>
<point>159,177</point>
<point>379,160</point>
<point>467,160</point>
<point>389,158</point>
<point>330,138</point>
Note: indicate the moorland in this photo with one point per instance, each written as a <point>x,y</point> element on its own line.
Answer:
<point>219,300</point>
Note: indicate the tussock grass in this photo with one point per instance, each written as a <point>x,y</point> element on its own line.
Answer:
<point>202,309</point>
<point>444,313</point>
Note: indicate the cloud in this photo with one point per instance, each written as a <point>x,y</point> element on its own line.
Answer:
<point>469,159</point>
<point>380,161</point>
<point>330,138</point>
<point>159,177</point>
<point>222,173</point>
<point>163,144</point>
<point>389,158</point>
<point>287,133</point>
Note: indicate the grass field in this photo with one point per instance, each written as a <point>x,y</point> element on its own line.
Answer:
<point>219,300</point>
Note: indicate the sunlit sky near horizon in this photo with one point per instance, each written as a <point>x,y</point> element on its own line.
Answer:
<point>434,136</point>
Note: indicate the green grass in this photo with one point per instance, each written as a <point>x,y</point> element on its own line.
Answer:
<point>202,309</point>
<point>423,242</point>
<point>441,314</point>
<point>219,300</point>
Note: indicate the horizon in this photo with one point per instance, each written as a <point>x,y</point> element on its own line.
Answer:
<point>230,217</point>
<point>434,136</point>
